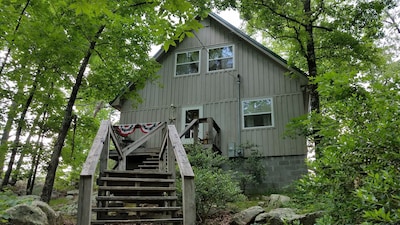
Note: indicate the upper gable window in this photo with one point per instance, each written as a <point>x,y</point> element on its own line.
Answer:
<point>220,58</point>
<point>257,113</point>
<point>187,63</point>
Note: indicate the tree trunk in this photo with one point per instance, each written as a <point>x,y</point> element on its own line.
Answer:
<point>36,154</point>
<point>12,113</point>
<point>312,71</point>
<point>18,134</point>
<point>26,149</point>
<point>35,163</point>
<point>5,59</point>
<point>53,164</point>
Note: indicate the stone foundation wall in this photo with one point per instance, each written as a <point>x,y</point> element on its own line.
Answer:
<point>281,171</point>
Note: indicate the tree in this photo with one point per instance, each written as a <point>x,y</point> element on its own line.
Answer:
<point>318,36</point>
<point>120,37</point>
<point>60,40</point>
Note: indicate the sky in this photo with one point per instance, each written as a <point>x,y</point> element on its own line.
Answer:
<point>231,16</point>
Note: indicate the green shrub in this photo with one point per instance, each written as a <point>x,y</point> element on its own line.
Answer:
<point>215,187</point>
<point>249,170</point>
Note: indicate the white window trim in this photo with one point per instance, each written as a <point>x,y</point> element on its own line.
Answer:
<point>258,127</point>
<point>220,46</point>
<point>176,58</point>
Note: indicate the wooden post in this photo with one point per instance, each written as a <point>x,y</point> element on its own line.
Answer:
<point>196,133</point>
<point>171,159</point>
<point>189,201</point>
<point>105,153</point>
<point>186,171</point>
<point>122,162</point>
<point>210,124</point>
<point>85,200</point>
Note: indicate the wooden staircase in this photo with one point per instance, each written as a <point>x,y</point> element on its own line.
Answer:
<point>140,190</point>
<point>142,196</point>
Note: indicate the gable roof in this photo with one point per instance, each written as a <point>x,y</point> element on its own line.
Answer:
<point>250,41</point>
<point>275,57</point>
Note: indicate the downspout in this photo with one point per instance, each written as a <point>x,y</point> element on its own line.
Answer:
<point>239,114</point>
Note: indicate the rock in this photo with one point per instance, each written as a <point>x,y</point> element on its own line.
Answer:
<point>283,216</point>
<point>24,214</point>
<point>53,217</point>
<point>276,201</point>
<point>262,204</point>
<point>37,213</point>
<point>246,216</point>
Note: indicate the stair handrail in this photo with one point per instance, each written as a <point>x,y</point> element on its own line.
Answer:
<point>213,131</point>
<point>176,153</point>
<point>98,154</point>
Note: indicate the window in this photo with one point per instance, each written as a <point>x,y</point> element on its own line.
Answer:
<point>257,113</point>
<point>187,63</point>
<point>220,58</point>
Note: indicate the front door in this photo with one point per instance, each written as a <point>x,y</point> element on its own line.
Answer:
<point>189,114</point>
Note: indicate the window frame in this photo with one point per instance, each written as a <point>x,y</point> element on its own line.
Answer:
<point>216,47</point>
<point>187,63</point>
<point>265,113</point>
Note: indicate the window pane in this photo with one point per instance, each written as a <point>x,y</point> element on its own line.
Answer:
<point>220,64</point>
<point>227,51</point>
<point>258,120</point>
<point>219,53</point>
<point>257,106</point>
<point>187,57</point>
<point>187,68</point>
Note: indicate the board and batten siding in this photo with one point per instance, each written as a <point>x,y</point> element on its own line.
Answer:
<point>217,92</point>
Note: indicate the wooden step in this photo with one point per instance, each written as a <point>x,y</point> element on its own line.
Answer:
<point>137,190</point>
<point>129,179</point>
<point>135,172</point>
<point>136,209</point>
<point>138,173</point>
<point>148,166</point>
<point>140,221</point>
<point>136,198</point>
<point>151,162</point>
<point>125,188</point>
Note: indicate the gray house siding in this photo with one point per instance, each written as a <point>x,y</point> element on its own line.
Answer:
<point>261,76</point>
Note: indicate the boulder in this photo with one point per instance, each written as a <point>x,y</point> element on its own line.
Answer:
<point>53,217</point>
<point>246,216</point>
<point>275,201</point>
<point>37,213</point>
<point>24,214</point>
<point>283,216</point>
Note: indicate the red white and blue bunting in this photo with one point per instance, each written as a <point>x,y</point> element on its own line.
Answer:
<point>126,129</point>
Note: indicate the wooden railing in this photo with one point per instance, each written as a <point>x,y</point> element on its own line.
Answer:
<point>212,133</point>
<point>172,151</point>
<point>98,155</point>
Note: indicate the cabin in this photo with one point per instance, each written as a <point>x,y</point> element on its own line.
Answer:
<point>250,92</point>
<point>220,88</point>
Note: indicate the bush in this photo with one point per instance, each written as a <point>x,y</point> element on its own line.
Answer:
<point>215,187</point>
<point>249,170</point>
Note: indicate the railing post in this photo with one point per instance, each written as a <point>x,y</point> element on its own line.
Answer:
<point>122,162</point>
<point>196,133</point>
<point>210,124</point>
<point>104,153</point>
<point>85,200</point>
<point>171,159</point>
<point>188,200</point>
